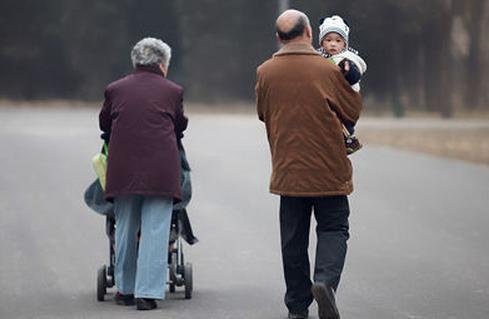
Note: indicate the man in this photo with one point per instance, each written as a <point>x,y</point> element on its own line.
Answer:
<point>142,120</point>
<point>303,99</point>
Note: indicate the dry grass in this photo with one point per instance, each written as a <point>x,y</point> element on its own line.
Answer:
<point>470,144</point>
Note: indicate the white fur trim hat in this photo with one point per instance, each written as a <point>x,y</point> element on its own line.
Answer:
<point>334,24</point>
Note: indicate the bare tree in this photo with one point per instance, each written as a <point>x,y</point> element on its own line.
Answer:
<point>473,15</point>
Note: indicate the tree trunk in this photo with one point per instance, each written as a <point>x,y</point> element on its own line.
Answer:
<point>445,78</point>
<point>474,76</point>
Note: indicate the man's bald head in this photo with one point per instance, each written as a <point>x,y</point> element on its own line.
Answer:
<point>292,24</point>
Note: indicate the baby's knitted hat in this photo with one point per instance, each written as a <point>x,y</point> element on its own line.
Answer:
<point>334,24</point>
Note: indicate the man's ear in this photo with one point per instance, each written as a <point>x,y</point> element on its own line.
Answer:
<point>280,42</point>
<point>309,31</point>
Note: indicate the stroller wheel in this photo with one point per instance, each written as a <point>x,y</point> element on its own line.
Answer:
<point>101,283</point>
<point>172,270</point>
<point>187,275</point>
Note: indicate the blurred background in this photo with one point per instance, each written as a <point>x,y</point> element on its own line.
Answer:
<point>419,211</point>
<point>428,56</point>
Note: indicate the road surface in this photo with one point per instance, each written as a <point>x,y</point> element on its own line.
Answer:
<point>419,226</point>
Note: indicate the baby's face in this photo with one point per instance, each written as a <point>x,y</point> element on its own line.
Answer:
<point>333,43</point>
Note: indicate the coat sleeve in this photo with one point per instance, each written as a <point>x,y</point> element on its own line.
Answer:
<point>259,97</point>
<point>105,118</point>
<point>181,121</point>
<point>346,103</point>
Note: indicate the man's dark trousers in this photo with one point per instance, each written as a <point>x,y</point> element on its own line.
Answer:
<point>331,213</point>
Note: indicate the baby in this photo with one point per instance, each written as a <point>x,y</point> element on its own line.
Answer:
<point>333,41</point>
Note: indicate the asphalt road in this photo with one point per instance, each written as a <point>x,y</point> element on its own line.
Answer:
<point>419,225</point>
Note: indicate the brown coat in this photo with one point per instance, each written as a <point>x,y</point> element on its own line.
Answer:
<point>301,97</point>
<point>143,114</point>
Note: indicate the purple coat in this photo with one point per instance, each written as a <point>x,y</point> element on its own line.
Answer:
<point>143,116</point>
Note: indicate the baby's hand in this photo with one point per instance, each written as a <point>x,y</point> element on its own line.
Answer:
<point>350,71</point>
<point>344,66</point>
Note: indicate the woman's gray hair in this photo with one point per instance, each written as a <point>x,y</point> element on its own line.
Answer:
<point>151,51</point>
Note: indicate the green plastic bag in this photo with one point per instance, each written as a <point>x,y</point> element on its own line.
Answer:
<point>99,162</point>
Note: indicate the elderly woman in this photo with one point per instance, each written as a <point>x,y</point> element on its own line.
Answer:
<point>142,120</point>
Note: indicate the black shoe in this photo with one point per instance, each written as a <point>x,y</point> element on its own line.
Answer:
<point>325,299</point>
<point>299,315</point>
<point>124,300</point>
<point>145,303</point>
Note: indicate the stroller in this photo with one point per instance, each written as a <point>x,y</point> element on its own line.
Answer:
<point>180,273</point>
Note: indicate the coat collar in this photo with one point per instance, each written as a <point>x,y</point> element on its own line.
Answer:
<point>152,68</point>
<point>296,48</point>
